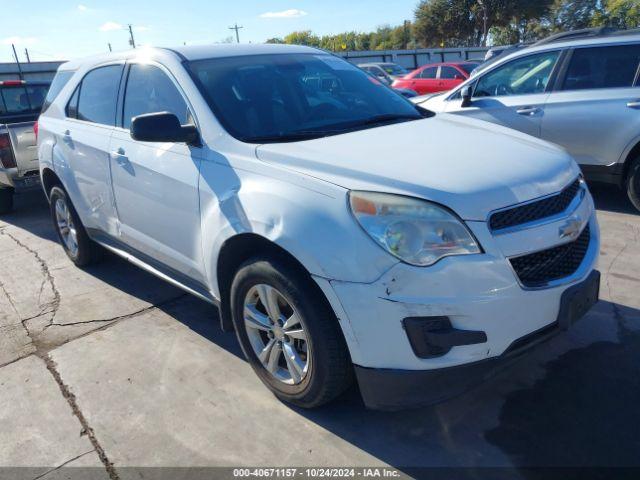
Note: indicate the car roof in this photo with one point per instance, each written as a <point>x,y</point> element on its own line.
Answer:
<point>193,52</point>
<point>620,38</point>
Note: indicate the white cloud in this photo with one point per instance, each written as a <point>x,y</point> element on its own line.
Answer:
<point>83,8</point>
<point>110,26</point>
<point>292,13</point>
<point>19,41</point>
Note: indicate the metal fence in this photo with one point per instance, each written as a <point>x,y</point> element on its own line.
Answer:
<point>29,71</point>
<point>411,59</point>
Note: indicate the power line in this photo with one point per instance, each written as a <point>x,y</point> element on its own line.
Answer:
<point>236,28</point>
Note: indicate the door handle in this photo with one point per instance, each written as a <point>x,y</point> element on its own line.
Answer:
<point>66,137</point>
<point>528,111</point>
<point>120,156</point>
<point>634,104</point>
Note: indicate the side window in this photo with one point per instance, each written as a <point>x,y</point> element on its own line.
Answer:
<point>602,67</point>
<point>522,76</point>
<point>99,95</point>
<point>59,81</point>
<point>72,106</point>
<point>429,72</point>
<point>149,90</point>
<point>449,73</point>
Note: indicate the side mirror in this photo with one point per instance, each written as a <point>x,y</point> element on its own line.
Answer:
<point>163,127</point>
<point>466,93</point>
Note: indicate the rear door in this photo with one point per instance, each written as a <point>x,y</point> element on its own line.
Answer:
<point>595,111</point>
<point>84,144</point>
<point>450,77</point>
<point>512,94</point>
<point>156,184</point>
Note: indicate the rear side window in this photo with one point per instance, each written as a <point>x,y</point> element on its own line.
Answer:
<point>149,90</point>
<point>99,95</point>
<point>58,83</point>
<point>449,73</point>
<point>429,72</point>
<point>602,67</point>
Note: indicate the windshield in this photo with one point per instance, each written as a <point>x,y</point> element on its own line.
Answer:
<point>393,69</point>
<point>289,97</point>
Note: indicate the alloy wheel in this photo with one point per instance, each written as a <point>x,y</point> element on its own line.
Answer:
<point>66,227</point>
<point>277,334</point>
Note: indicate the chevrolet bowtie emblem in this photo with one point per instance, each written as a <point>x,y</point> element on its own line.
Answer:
<point>572,228</point>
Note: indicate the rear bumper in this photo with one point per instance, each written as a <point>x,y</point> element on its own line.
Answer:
<point>395,389</point>
<point>10,178</point>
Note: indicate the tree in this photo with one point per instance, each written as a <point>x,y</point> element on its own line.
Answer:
<point>275,40</point>
<point>574,14</point>
<point>619,13</point>
<point>305,37</point>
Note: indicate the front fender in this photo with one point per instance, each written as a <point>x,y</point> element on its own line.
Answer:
<point>310,221</point>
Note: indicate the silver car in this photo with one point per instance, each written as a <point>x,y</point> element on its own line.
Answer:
<point>579,91</point>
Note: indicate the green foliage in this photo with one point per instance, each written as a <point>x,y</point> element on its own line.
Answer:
<point>463,23</point>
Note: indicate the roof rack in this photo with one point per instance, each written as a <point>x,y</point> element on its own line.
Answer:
<point>585,33</point>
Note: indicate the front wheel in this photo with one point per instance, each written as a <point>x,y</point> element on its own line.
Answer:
<point>288,333</point>
<point>633,183</point>
<point>73,237</point>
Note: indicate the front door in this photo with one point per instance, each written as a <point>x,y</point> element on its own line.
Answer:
<point>156,184</point>
<point>512,94</point>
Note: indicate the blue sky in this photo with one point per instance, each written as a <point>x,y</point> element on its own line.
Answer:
<point>60,29</point>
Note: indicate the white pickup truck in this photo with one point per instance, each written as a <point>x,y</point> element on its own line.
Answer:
<point>20,105</point>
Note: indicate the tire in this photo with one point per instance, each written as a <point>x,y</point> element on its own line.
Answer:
<point>80,249</point>
<point>633,183</point>
<point>320,347</point>
<point>6,200</point>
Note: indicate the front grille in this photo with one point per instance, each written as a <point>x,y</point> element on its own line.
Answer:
<point>530,212</point>
<point>540,268</point>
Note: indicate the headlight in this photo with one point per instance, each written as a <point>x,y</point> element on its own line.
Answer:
<point>416,231</point>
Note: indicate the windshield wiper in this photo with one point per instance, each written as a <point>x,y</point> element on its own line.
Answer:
<point>389,117</point>
<point>289,137</point>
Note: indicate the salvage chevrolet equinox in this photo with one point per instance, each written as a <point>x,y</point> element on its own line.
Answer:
<point>295,192</point>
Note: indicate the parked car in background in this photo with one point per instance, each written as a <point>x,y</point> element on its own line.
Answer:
<point>385,70</point>
<point>581,91</point>
<point>405,92</point>
<point>282,184</point>
<point>20,105</point>
<point>436,77</point>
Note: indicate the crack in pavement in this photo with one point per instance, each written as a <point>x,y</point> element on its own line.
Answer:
<point>86,428</point>
<point>63,464</point>
<point>50,307</point>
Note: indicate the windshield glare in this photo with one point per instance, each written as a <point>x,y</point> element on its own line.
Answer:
<point>288,97</point>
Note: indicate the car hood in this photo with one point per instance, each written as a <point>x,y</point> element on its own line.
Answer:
<point>470,166</point>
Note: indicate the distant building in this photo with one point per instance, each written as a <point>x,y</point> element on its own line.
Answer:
<point>30,71</point>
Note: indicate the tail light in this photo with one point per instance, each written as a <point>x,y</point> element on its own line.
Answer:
<point>35,129</point>
<point>6,152</point>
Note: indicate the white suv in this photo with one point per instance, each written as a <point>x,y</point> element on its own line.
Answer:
<point>338,227</point>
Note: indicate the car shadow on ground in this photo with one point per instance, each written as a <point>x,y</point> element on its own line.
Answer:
<point>567,404</point>
<point>611,198</point>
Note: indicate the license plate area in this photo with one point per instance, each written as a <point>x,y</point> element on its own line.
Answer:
<point>576,301</point>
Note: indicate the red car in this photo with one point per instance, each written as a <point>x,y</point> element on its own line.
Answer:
<point>436,77</point>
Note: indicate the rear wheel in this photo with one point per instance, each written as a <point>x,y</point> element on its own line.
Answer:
<point>6,200</point>
<point>72,235</point>
<point>288,334</point>
<point>633,183</point>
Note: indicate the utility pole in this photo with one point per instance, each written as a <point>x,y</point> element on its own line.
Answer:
<point>132,41</point>
<point>26,53</point>
<point>109,44</point>
<point>17,61</point>
<point>236,28</point>
<point>484,19</point>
